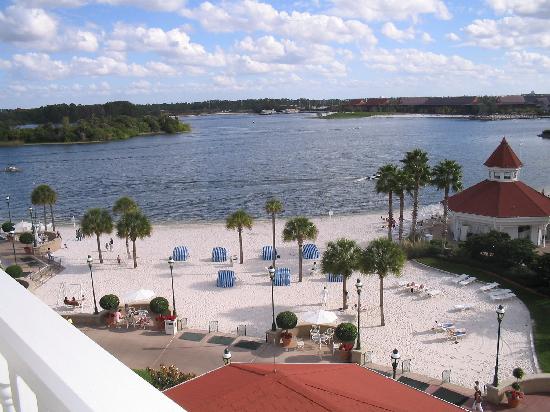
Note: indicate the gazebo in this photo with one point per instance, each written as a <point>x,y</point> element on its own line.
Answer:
<point>501,203</point>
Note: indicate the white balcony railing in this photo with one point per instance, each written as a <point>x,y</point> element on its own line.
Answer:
<point>48,365</point>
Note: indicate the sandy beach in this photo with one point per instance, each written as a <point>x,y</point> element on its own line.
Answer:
<point>409,317</point>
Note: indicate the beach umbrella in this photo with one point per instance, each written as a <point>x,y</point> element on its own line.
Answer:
<point>22,227</point>
<point>318,317</point>
<point>139,295</point>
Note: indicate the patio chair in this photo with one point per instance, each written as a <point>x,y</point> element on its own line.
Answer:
<point>446,376</point>
<point>329,333</point>
<point>433,292</point>
<point>503,297</point>
<point>443,326</point>
<point>406,366</point>
<point>463,306</point>
<point>460,278</point>
<point>315,330</point>
<point>455,334</point>
<point>489,287</point>
<point>499,292</point>
<point>300,344</point>
<point>467,281</point>
<point>241,330</point>
<point>212,326</point>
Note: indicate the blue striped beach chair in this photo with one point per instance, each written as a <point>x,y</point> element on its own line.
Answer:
<point>282,277</point>
<point>310,251</point>
<point>180,253</point>
<point>226,279</point>
<point>219,254</point>
<point>267,253</point>
<point>335,278</point>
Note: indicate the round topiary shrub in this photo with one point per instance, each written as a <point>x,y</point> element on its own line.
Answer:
<point>159,305</point>
<point>14,271</point>
<point>287,320</point>
<point>7,227</point>
<point>109,302</point>
<point>26,238</point>
<point>346,332</point>
<point>518,373</point>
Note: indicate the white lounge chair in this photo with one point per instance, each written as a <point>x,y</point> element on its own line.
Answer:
<point>460,278</point>
<point>443,326</point>
<point>433,292</point>
<point>489,287</point>
<point>467,281</point>
<point>499,292</point>
<point>463,306</point>
<point>456,334</point>
<point>503,297</point>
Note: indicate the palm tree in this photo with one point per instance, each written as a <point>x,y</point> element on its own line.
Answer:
<point>44,195</point>
<point>416,166</point>
<point>386,184</point>
<point>299,229</point>
<point>273,206</point>
<point>447,175</point>
<point>239,220</point>
<point>134,225</point>
<point>342,257</point>
<point>96,222</point>
<point>402,186</point>
<point>122,206</point>
<point>383,257</point>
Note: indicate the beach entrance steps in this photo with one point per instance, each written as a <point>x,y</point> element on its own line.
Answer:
<point>241,330</point>
<point>213,326</point>
<point>406,365</point>
<point>446,376</point>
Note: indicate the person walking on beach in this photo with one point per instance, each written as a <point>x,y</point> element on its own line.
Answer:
<point>313,270</point>
<point>324,296</point>
<point>118,259</point>
<point>111,244</point>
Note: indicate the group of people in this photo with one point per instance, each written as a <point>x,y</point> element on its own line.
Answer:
<point>79,234</point>
<point>72,302</point>
<point>109,245</point>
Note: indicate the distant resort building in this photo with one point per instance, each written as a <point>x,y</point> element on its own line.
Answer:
<point>501,203</point>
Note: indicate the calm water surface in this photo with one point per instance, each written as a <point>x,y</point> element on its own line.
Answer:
<point>233,161</point>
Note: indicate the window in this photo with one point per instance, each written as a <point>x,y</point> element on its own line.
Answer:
<point>507,175</point>
<point>497,175</point>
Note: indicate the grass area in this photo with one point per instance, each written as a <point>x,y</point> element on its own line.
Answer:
<point>352,115</point>
<point>538,306</point>
<point>144,373</point>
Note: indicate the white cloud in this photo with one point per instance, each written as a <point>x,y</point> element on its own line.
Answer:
<point>5,64</point>
<point>104,66</point>
<point>53,3</point>
<point>20,24</point>
<point>528,60</point>
<point>156,5</point>
<point>452,37</point>
<point>81,40</point>
<point>390,9</point>
<point>535,8</point>
<point>426,38</point>
<point>39,65</point>
<point>509,32</point>
<point>254,16</point>
<point>141,86</point>
<point>390,30</point>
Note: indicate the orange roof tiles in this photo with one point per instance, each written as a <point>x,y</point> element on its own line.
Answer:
<point>300,388</point>
<point>503,156</point>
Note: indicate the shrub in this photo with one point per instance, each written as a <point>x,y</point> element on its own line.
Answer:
<point>159,305</point>
<point>14,271</point>
<point>346,332</point>
<point>519,271</point>
<point>518,373</point>
<point>109,302</point>
<point>516,386</point>
<point>7,227</point>
<point>164,377</point>
<point>415,250</point>
<point>26,238</point>
<point>542,265</point>
<point>287,320</point>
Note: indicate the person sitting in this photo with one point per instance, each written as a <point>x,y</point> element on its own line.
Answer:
<point>71,302</point>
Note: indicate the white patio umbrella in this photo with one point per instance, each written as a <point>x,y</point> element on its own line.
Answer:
<point>22,227</point>
<point>139,295</point>
<point>318,317</point>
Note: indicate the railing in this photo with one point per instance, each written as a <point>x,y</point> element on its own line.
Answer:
<point>46,364</point>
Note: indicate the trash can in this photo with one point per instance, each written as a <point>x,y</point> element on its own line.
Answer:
<point>170,327</point>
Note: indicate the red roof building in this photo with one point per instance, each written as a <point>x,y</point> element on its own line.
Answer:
<point>301,387</point>
<point>501,202</point>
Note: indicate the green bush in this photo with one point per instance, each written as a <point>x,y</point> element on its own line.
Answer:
<point>26,238</point>
<point>159,306</point>
<point>287,320</point>
<point>541,265</point>
<point>109,302</point>
<point>7,227</point>
<point>346,332</point>
<point>518,373</point>
<point>14,271</point>
<point>516,386</point>
<point>165,377</point>
<point>497,248</point>
<point>519,271</point>
<point>422,248</point>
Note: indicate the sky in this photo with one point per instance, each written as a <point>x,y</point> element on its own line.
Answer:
<point>153,51</point>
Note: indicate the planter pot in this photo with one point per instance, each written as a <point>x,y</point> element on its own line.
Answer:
<point>513,403</point>
<point>286,341</point>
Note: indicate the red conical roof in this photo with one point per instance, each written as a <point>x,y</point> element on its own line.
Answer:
<point>503,157</point>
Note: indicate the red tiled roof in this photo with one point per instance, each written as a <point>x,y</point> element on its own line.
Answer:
<point>380,101</point>
<point>300,387</point>
<point>501,199</point>
<point>514,99</point>
<point>503,156</point>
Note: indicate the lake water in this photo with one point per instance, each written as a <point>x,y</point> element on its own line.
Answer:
<point>233,161</point>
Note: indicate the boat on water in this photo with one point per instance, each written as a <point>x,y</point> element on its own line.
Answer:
<point>267,112</point>
<point>291,111</point>
<point>12,169</point>
<point>545,134</point>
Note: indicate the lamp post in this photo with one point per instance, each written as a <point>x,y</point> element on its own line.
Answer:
<point>500,314</point>
<point>271,271</point>
<point>9,210</point>
<point>358,287</point>
<point>171,264</point>
<point>226,356</point>
<point>33,228</point>
<point>394,360</point>
<point>12,234</point>
<point>90,261</point>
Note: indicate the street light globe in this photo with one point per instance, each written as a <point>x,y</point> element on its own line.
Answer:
<point>358,285</point>
<point>271,271</point>
<point>171,262</point>
<point>395,355</point>
<point>500,312</point>
<point>90,261</point>
<point>226,356</point>
<point>7,198</point>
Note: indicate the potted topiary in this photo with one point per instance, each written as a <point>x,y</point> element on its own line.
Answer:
<point>14,271</point>
<point>7,227</point>
<point>286,320</point>
<point>346,333</point>
<point>109,303</point>
<point>514,395</point>
<point>26,238</point>
<point>161,308</point>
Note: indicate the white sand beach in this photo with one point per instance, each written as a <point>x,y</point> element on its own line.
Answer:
<point>409,317</point>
